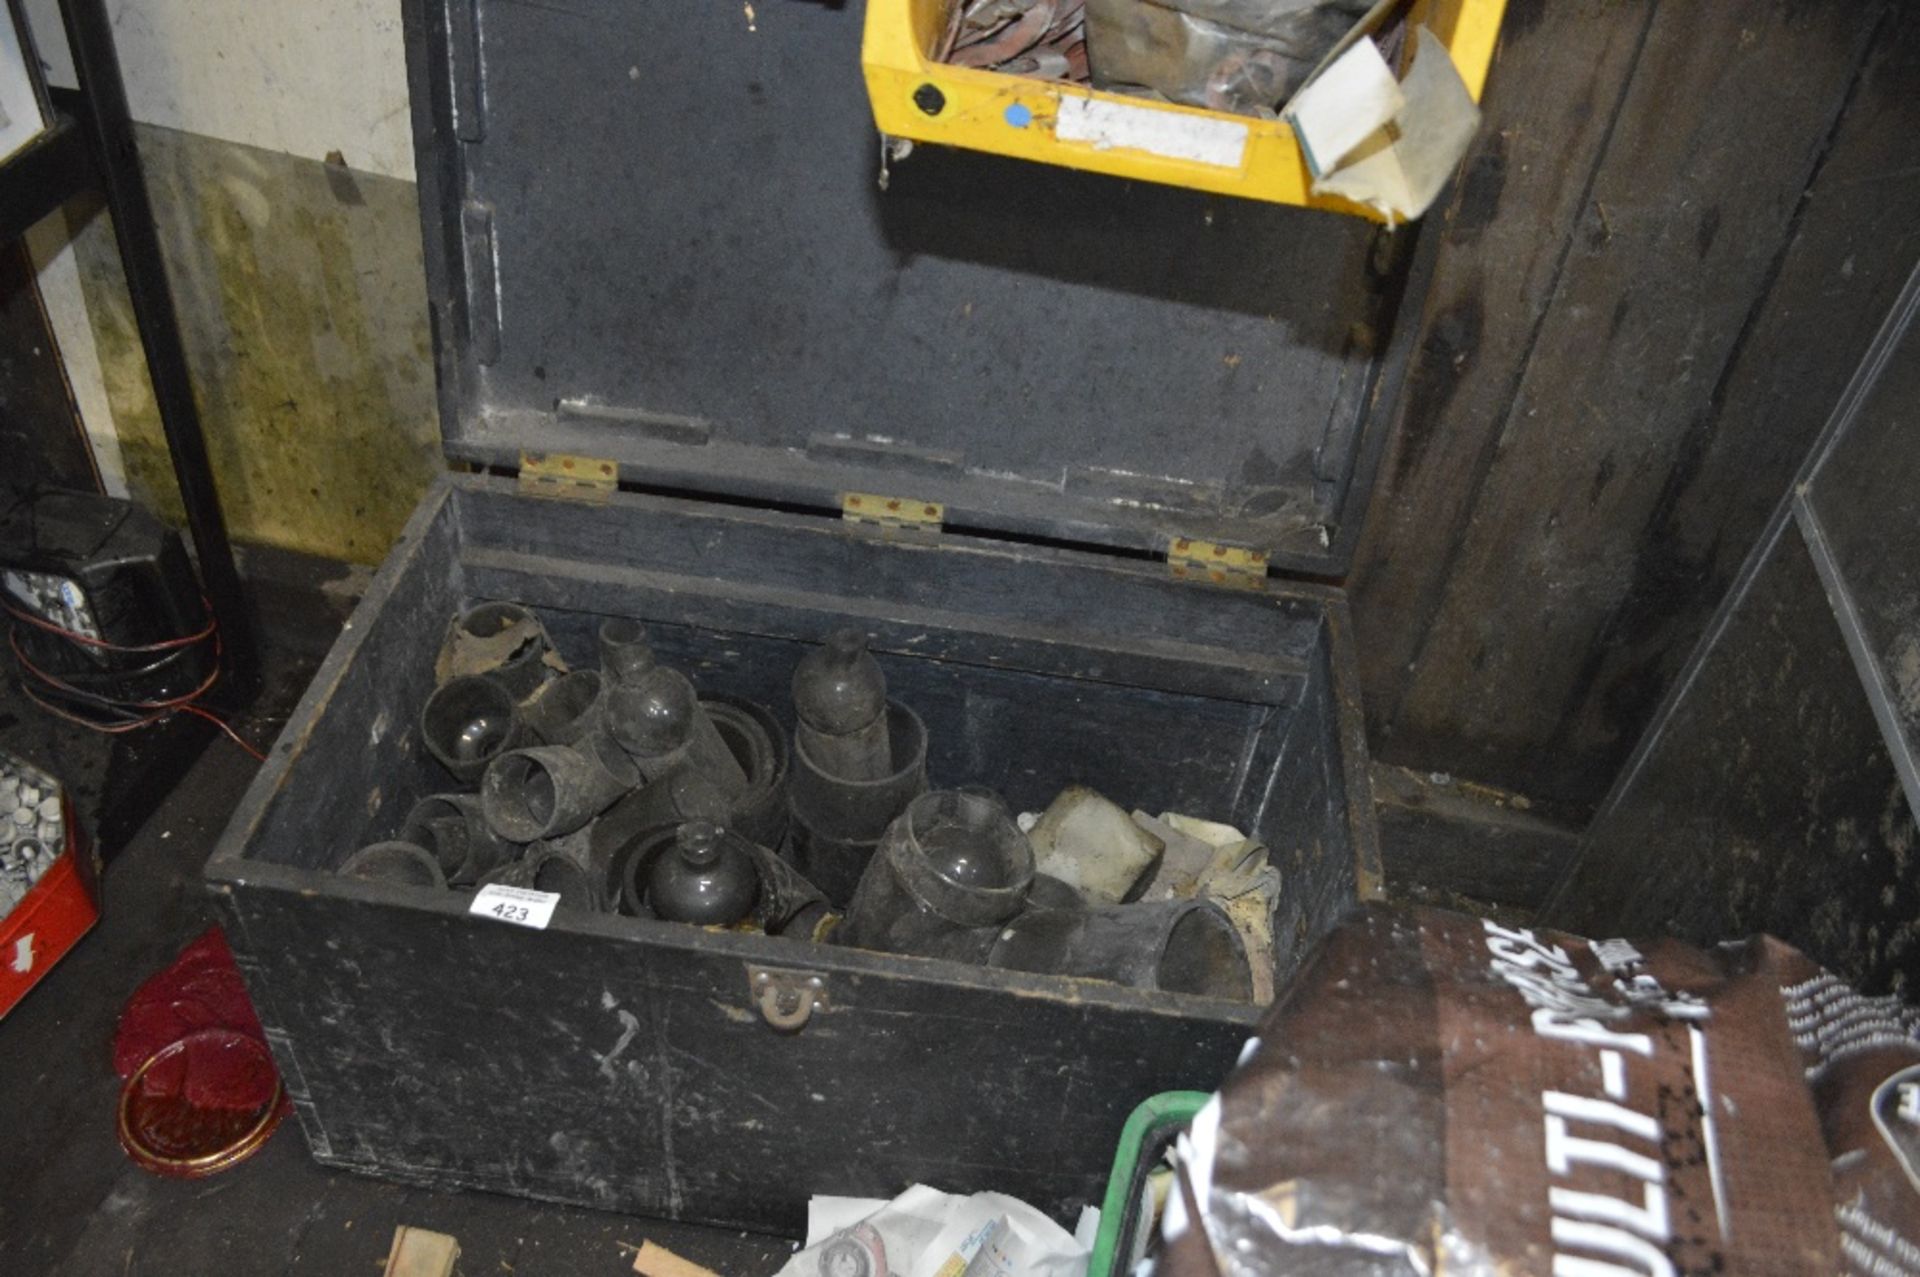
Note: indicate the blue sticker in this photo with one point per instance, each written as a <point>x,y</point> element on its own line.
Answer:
<point>1019,115</point>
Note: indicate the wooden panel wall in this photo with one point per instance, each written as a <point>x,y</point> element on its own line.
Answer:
<point>1666,254</point>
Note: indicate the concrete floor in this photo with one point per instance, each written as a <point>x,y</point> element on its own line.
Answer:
<point>70,1201</point>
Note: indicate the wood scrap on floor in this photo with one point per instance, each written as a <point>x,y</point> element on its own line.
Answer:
<point>658,1261</point>
<point>419,1253</point>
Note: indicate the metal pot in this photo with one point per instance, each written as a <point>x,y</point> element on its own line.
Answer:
<point>453,828</point>
<point>504,642</point>
<point>625,656</point>
<point>840,699</point>
<point>564,866</point>
<point>707,879</point>
<point>545,791</point>
<point>401,862</point>
<point>837,823</point>
<point>758,744</point>
<point>659,721</point>
<point>468,722</point>
<point>1175,946</point>
<point>950,870</point>
<point>573,711</point>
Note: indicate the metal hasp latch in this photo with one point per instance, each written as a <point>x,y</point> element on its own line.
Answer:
<point>900,514</point>
<point>787,999</point>
<point>1229,565</point>
<point>567,477</point>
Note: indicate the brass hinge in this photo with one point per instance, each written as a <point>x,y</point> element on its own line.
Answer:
<point>566,477</point>
<point>1229,565</point>
<point>902,513</point>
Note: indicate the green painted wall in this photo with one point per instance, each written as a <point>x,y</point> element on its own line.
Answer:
<point>302,304</point>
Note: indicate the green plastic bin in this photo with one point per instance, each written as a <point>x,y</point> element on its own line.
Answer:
<point>1143,1141</point>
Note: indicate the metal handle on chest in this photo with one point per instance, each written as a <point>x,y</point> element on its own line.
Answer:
<point>787,999</point>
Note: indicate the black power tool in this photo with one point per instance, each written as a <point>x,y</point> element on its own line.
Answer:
<point>107,620</point>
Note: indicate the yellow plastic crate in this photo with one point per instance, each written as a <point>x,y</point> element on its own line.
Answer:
<point>1078,127</point>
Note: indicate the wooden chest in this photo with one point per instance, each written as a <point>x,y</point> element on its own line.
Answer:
<point>656,236</point>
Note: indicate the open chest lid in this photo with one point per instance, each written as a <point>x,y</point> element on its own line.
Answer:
<point>663,235</point>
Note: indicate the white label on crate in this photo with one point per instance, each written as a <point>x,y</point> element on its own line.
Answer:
<point>23,953</point>
<point>1351,99</point>
<point>1174,134</point>
<point>517,905</point>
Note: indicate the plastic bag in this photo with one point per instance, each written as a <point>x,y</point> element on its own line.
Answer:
<point>1442,1094</point>
<point>1244,56</point>
<point>927,1233</point>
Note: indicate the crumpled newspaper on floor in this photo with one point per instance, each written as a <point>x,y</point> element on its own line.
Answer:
<point>927,1233</point>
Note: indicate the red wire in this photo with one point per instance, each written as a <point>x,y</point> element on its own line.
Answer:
<point>55,681</point>
<point>161,710</point>
<point>74,636</point>
<point>111,729</point>
<point>221,723</point>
